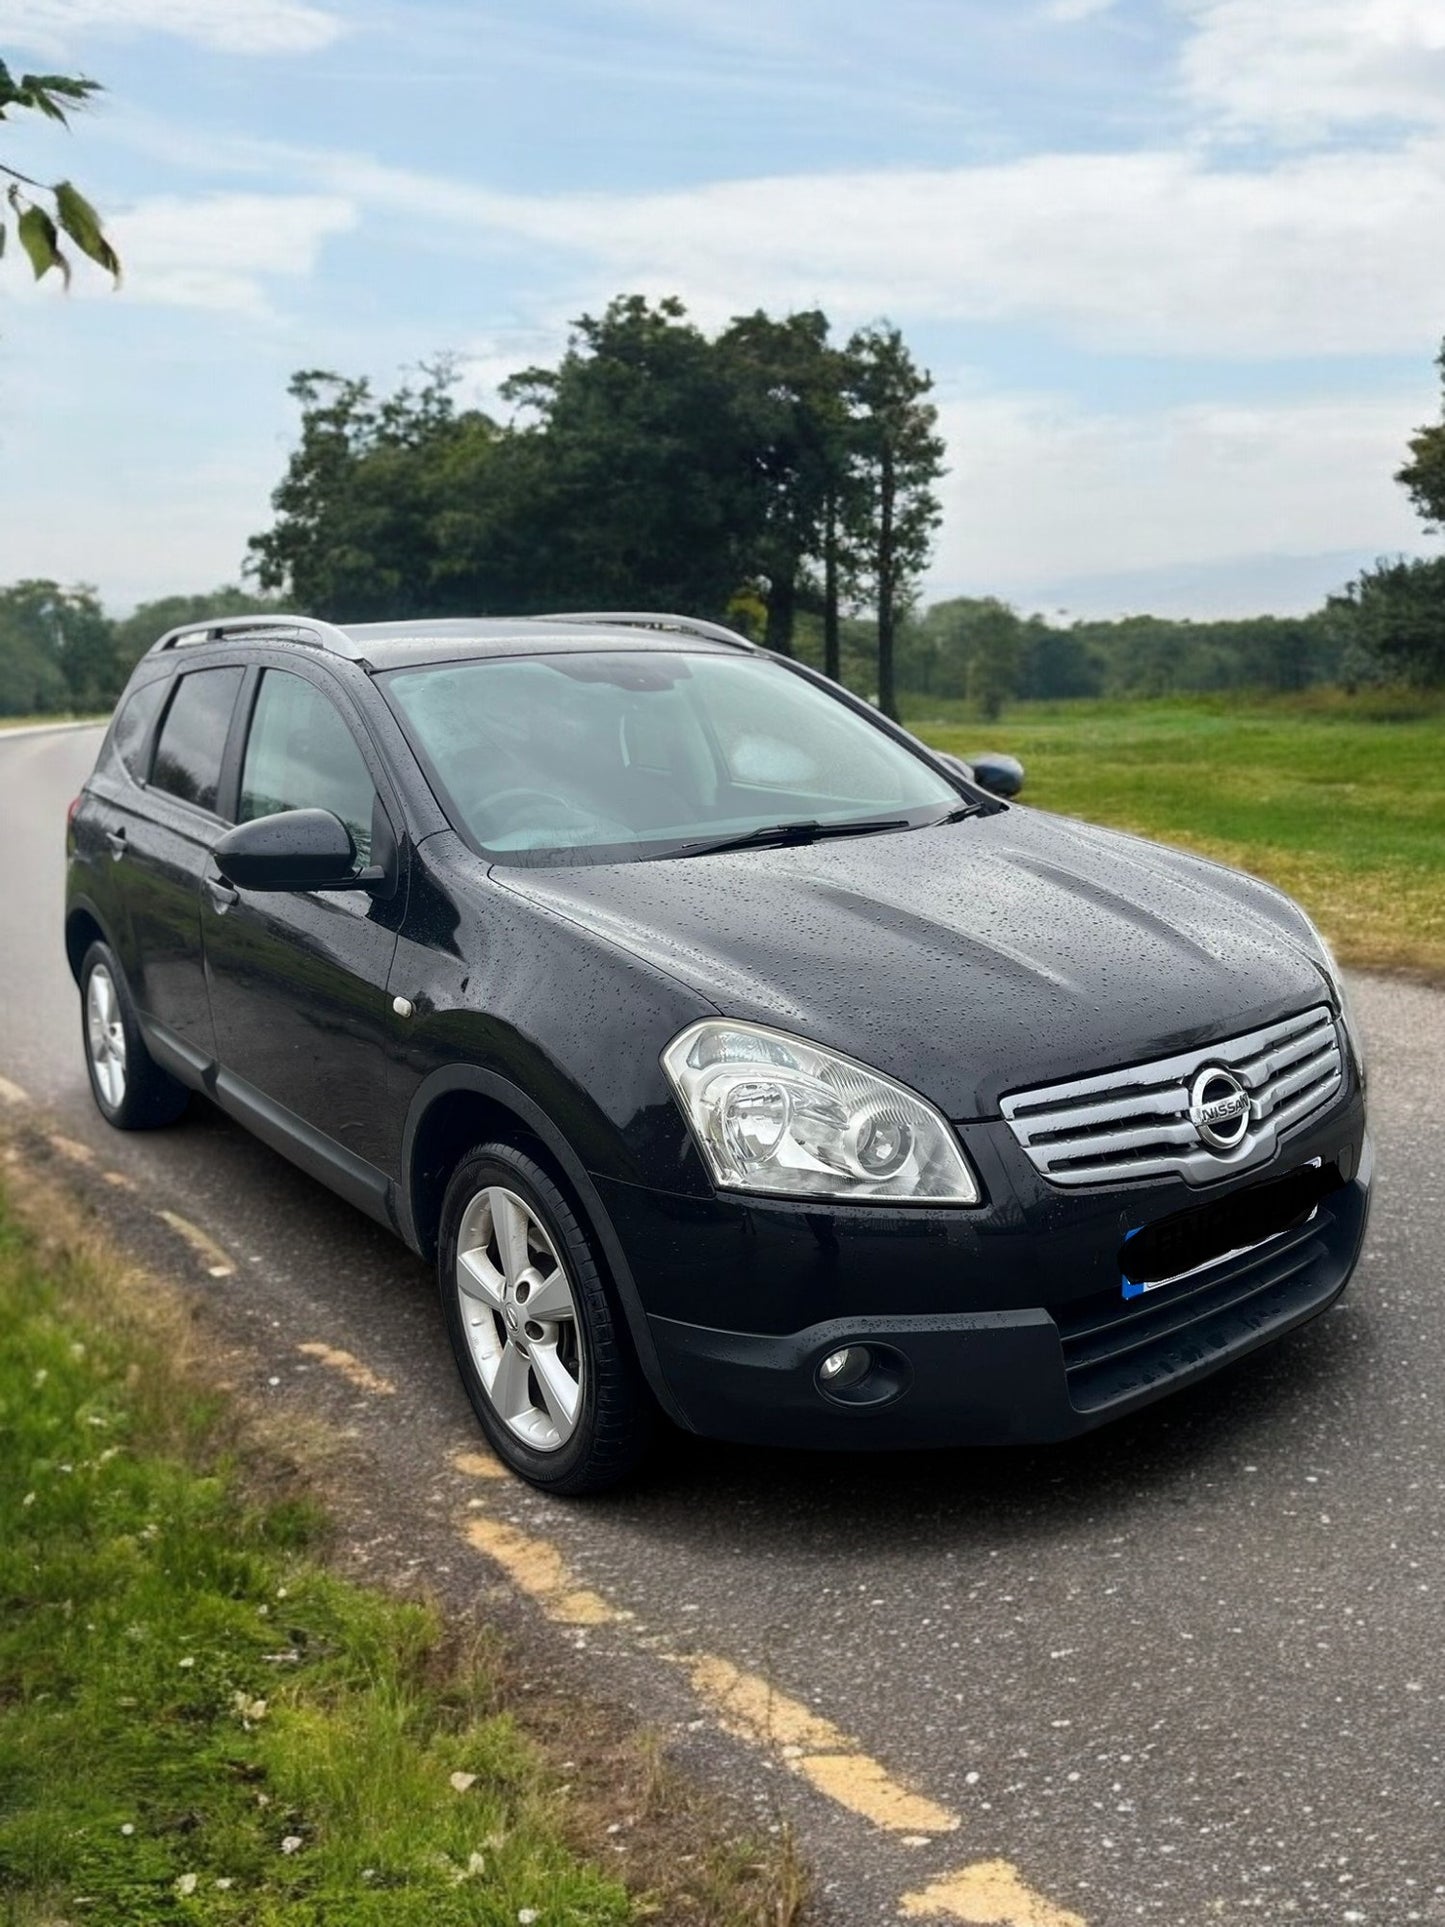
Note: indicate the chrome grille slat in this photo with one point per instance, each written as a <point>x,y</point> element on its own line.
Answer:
<point>1133,1123</point>
<point>1164,1103</point>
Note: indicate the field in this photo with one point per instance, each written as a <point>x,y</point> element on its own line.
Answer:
<point>1340,802</point>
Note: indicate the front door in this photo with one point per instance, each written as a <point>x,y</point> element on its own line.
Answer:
<point>298,979</point>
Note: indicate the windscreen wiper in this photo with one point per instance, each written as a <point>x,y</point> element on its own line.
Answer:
<point>958,813</point>
<point>780,835</point>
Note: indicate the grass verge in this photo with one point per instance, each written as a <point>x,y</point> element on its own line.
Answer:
<point>1341,803</point>
<point>200,1724</point>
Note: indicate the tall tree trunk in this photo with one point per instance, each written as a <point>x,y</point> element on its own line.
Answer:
<point>831,650</point>
<point>782,609</point>
<point>887,569</point>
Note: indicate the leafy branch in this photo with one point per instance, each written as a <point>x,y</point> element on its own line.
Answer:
<point>44,211</point>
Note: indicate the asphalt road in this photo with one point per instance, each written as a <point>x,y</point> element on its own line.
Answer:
<point>1185,1671</point>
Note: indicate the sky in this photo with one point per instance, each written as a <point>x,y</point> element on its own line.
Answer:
<point>1174,265</point>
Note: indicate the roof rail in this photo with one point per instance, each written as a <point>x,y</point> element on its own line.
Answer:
<point>643,619</point>
<point>308,630</point>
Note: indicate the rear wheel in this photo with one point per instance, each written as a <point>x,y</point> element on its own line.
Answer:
<point>539,1346</point>
<point>131,1090</point>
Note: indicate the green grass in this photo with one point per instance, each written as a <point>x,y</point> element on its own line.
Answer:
<point>1341,802</point>
<point>184,1689</point>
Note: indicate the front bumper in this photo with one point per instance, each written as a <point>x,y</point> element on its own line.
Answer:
<point>1004,1325</point>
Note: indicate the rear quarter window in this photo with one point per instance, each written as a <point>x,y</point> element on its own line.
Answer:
<point>130,733</point>
<point>193,736</point>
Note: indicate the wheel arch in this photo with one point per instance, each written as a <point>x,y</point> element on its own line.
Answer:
<point>82,928</point>
<point>460,1106</point>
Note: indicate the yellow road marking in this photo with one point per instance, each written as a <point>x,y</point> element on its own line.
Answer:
<point>12,1093</point>
<point>217,1263</point>
<point>119,1180</point>
<point>349,1366</point>
<point>538,1568</point>
<point>990,1894</point>
<point>866,1788</point>
<point>751,1708</point>
<point>479,1465</point>
<point>68,1148</point>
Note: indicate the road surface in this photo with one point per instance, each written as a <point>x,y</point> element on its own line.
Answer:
<point>1187,1670</point>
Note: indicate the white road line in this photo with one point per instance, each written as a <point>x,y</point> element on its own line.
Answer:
<point>48,729</point>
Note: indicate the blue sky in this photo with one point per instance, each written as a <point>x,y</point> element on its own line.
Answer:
<point>1174,264</point>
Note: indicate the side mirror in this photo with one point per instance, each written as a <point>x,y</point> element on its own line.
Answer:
<point>292,850</point>
<point>998,774</point>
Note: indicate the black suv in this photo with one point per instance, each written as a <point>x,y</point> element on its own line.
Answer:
<point>731,1052</point>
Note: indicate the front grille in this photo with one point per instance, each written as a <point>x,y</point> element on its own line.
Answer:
<point>1134,1123</point>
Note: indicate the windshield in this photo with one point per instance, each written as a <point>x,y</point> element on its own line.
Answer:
<point>603,756</point>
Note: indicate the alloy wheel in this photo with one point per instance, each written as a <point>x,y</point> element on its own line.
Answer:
<point>105,1037</point>
<point>520,1318</point>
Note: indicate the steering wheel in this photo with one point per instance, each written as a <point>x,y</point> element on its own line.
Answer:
<point>504,808</point>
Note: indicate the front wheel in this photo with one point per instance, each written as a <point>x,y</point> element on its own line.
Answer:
<point>131,1090</point>
<point>539,1346</point>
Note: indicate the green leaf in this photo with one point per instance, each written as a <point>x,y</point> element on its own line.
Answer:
<point>46,92</point>
<point>41,242</point>
<point>81,222</point>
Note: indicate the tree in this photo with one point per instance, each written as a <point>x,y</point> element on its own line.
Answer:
<point>1394,615</point>
<point>1424,474</point>
<point>44,211</point>
<point>790,396</point>
<point>361,508</point>
<point>632,479</point>
<point>57,650</point>
<point>897,458</point>
<point>969,646</point>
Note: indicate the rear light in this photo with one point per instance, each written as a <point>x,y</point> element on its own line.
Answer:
<point>70,813</point>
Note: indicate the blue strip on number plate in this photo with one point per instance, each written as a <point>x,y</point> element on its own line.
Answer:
<point>1131,1290</point>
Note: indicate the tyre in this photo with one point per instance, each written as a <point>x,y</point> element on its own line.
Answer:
<point>541,1349</point>
<point>131,1090</point>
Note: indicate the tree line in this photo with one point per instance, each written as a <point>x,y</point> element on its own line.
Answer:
<point>752,476</point>
<point>61,653</point>
<point>768,476</point>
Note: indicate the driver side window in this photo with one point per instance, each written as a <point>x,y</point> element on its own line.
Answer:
<point>300,755</point>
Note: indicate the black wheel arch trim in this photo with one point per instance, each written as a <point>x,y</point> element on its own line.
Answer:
<point>500,1090</point>
<point>78,907</point>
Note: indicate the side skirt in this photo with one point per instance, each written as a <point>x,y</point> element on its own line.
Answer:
<point>319,1156</point>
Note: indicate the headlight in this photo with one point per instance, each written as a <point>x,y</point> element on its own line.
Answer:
<point>1325,957</point>
<point>773,1113</point>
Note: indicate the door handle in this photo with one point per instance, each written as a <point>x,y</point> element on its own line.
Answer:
<point>116,839</point>
<point>222,895</point>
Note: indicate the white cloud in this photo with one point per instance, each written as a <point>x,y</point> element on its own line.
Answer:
<point>1299,67</point>
<point>1044,491</point>
<point>229,26</point>
<point>1153,252</point>
<point>218,251</point>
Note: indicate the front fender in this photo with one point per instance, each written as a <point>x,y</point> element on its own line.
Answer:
<point>496,1089</point>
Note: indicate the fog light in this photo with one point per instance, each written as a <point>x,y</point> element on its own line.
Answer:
<point>843,1368</point>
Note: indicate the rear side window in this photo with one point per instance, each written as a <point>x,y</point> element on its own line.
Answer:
<point>301,755</point>
<point>193,735</point>
<point>131,732</point>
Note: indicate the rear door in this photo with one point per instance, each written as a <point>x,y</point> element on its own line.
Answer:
<point>167,842</point>
<point>115,794</point>
<point>298,980</point>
